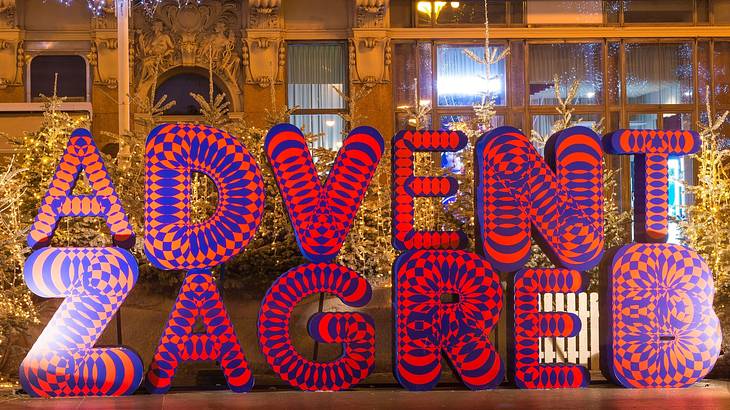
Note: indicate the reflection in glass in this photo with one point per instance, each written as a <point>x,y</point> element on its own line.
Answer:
<point>327,128</point>
<point>543,125</point>
<point>462,81</point>
<point>652,11</point>
<point>659,73</point>
<point>583,62</point>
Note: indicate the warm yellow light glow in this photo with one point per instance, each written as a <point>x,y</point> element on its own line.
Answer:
<point>330,123</point>
<point>424,7</point>
<point>455,4</point>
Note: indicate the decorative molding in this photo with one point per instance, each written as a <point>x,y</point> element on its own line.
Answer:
<point>370,57</point>
<point>12,58</point>
<point>194,35</point>
<point>264,57</point>
<point>560,33</point>
<point>370,13</point>
<point>8,11</point>
<point>103,59</point>
<point>264,14</point>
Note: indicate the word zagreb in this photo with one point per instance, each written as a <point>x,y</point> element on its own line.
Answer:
<point>658,326</point>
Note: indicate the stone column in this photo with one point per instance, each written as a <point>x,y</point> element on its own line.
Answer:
<point>12,55</point>
<point>103,63</point>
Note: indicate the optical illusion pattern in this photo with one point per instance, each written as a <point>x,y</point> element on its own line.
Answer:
<point>406,186</point>
<point>517,190</point>
<point>81,154</point>
<point>173,242</point>
<point>173,152</point>
<point>426,326</point>
<point>530,325</point>
<point>652,149</point>
<point>93,282</point>
<point>321,218</point>
<point>355,331</point>
<point>661,329</point>
<point>199,298</point>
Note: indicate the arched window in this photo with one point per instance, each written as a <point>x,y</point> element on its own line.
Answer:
<point>178,89</point>
<point>72,77</point>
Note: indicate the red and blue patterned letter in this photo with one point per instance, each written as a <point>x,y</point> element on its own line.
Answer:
<point>530,325</point>
<point>321,218</point>
<point>173,242</point>
<point>658,326</point>
<point>560,200</point>
<point>433,268</point>
<point>93,281</point>
<point>651,150</point>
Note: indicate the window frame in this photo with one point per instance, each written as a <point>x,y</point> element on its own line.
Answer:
<point>28,74</point>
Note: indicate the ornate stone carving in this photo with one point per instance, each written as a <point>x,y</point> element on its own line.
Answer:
<point>103,60</point>
<point>370,58</point>
<point>370,13</point>
<point>264,14</point>
<point>7,13</point>
<point>264,58</point>
<point>193,35</point>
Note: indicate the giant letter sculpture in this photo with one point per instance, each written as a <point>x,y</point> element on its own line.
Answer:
<point>435,267</point>
<point>93,281</point>
<point>658,327</point>
<point>321,218</point>
<point>173,242</point>
<point>560,200</point>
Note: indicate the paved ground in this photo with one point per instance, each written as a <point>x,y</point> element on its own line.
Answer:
<point>708,395</point>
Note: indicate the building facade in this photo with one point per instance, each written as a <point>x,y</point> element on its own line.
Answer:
<point>639,64</point>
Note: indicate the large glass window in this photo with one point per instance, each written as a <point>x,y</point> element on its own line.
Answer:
<point>664,11</point>
<point>461,81</point>
<point>469,12</point>
<point>582,62</point>
<point>659,73</point>
<point>315,73</point>
<point>70,71</point>
<point>565,12</point>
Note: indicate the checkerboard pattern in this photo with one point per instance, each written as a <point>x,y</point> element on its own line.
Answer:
<point>406,186</point>
<point>651,150</point>
<point>530,325</point>
<point>81,154</point>
<point>199,298</point>
<point>659,326</point>
<point>173,152</point>
<point>560,199</point>
<point>322,215</point>
<point>93,282</point>
<point>426,327</point>
<point>355,331</point>
<point>63,361</point>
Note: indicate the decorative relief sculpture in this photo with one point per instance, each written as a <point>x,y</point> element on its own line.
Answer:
<point>194,35</point>
<point>370,13</point>
<point>264,14</point>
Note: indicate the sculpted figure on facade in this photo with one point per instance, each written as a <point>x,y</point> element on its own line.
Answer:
<point>156,50</point>
<point>220,47</point>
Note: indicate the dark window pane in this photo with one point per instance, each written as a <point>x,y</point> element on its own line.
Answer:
<point>313,73</point>
<point>462,81</point>
<point>613,76</point>
<point>178,89</point>
<point>721,72</point>
<point>721,11</point>
<point>612,9</point>
<point>517,73</point>
<point>582,62</point>
<point>565,12</point>
<point>659,73</point>
<point>517,11</point>
<point>652,11</point>
<point>404,73</point>
<point>71,72</point>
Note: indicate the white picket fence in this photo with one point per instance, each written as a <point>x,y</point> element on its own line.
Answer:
<point>582,349</point>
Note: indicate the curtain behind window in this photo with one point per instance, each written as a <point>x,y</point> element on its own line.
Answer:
<point>313,69</point>
<point>462,81</point>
